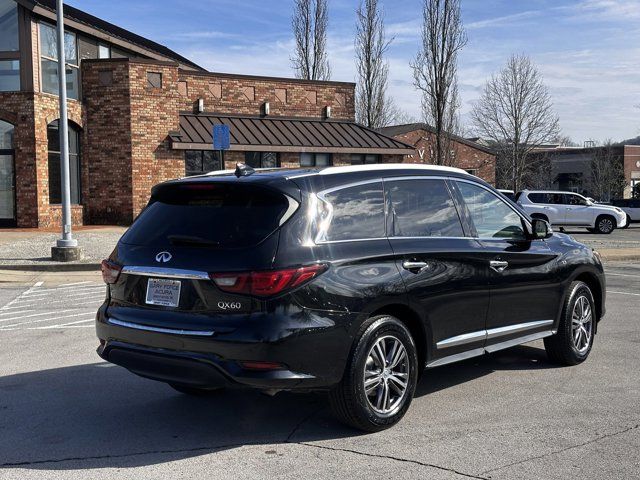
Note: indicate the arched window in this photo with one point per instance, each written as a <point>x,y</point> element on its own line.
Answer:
<point>53,139</point>
<point>7,195</point>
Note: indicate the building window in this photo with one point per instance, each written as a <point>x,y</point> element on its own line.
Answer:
<point>154,80</point>
<point>53,139</point>
<point>362,159</point>
<point>9,44</point>
<point>49,59</point>
<point>197,162</point>
<point>262,159</point>
<point>104,51</point>
<point>7,195</point>
<point>8,26</point>
<point>315,159</point>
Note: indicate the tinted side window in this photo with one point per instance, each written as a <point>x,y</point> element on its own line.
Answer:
<point>357,213</point>
<point>422,208</point>
<point>492,217</point>
<point>538,197</point>
<point>575,200</point>
<point>557,199</point>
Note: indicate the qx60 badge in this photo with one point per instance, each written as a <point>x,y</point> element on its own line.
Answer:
<point>163,257</point>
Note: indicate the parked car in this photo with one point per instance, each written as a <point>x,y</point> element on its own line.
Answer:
<point>568,209</point>
<point>350,280</point>
<point>630,206</point>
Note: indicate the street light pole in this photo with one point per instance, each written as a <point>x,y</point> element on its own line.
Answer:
<point>63,128</point>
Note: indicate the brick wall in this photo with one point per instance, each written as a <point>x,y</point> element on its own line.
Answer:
<point>223,93</point>
<point>107,147</point>
<point>467,157</point>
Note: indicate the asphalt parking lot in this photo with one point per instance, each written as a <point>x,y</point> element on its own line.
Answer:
<point>66,414</point>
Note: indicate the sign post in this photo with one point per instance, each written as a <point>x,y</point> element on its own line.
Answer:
<point>66,248</point>
<point>221,140</point>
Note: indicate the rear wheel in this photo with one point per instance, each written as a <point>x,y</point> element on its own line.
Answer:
<point>195,391</point>
<point>380,378</point>
<point>574,340</point>
<point>605,224</point>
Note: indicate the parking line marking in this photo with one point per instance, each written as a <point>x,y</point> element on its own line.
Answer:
<point>624,293</point>
<point>42,293</point>
<point>46,319</point>
<point>622,275</point>
<point>8,305</point>
<point>89,301</point>
<point>18,306</point>
<point>75,283</point>
<point>36,315</point>
<point>63,325</point>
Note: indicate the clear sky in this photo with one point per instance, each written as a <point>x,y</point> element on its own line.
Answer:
<point>587,50</point>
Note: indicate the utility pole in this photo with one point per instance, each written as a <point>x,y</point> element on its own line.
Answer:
<point>66,248</point>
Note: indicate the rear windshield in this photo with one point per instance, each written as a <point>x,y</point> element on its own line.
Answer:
<point>208,215</point>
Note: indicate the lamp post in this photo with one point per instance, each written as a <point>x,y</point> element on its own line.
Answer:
<point>66,248</point>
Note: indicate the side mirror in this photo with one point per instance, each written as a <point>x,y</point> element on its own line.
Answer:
<point>541,229</point>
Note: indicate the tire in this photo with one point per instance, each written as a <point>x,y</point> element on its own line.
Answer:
<point>194,391</point>
<point>349,400</point>
<point>605,224</point>
<point>568,347</point>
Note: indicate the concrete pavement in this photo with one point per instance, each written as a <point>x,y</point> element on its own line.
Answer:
<point>65,414</point>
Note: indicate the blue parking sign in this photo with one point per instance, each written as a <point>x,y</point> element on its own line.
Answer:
<point>221,137</point>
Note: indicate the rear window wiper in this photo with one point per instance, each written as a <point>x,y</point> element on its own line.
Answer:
<point>188,240</point>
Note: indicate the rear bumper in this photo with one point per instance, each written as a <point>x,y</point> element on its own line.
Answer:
<point>313,357</point>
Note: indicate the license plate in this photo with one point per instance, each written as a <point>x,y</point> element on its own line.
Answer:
<point>161,291</point>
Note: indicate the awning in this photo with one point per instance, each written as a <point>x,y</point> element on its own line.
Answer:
<point>284,134</point>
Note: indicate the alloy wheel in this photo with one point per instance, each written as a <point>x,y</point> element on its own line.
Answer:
<point>582,324</point>
<point>605,225</point>
<point>386,375</point>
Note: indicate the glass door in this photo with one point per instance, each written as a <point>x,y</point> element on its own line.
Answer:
<point>7,190</point>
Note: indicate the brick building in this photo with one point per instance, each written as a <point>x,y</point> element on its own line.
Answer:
<point>471,156</point>
<point>140,113</point>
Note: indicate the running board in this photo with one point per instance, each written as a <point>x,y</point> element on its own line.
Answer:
<point>490,348</point>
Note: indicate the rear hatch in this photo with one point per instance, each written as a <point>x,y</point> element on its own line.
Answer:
<point>187,232</point>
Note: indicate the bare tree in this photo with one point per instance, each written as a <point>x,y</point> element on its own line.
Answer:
<point>515,112</point>
<point>435,71</point>
<point>606,180</point>
<point>373,107</point>
<point>310,21</point>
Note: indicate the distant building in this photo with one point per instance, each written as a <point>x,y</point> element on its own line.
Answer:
<point>571,166</point>
<point>473,156</point>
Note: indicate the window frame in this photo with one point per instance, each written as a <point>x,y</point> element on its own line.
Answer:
<point>15,55</point>
<point>68,64</point>
<point>73,128</point>
<point>191,173</point>
<point>315,161</point>
<point>261,159</point>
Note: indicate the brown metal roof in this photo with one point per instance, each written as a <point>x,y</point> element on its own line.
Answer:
<point>284,134</point>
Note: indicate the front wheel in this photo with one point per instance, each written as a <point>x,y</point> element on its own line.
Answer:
<point>605,224</point>
<point>380,377</point>
<point>573,341</point>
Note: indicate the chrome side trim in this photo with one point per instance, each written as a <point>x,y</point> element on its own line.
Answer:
<point>491,333</point>
<point>462,339</point>
<point>518,341</point>
<point>165,272</point>
<point>476,352</point>
<point>200,333</point>
<point>519,327</point>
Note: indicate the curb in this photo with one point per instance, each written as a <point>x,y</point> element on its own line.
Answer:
<point>57,267</point>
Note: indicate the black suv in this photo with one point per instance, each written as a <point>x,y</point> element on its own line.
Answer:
<point>345,279</point>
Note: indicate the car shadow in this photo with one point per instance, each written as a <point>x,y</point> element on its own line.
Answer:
<point>101,416</point>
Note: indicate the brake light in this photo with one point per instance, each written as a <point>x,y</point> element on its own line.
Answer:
<point>266,283</point>
<point>110,271</point>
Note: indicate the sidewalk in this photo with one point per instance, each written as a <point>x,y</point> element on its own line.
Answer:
<point>30,249</point>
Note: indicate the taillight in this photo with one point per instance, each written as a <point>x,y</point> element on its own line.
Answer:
<point>110,271</point>
<point>266,283</point>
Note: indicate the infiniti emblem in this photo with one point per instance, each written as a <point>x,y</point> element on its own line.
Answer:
<point>163,257</point>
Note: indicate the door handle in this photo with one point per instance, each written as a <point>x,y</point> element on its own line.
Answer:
<point>411,265</point>
<point>498,265</point>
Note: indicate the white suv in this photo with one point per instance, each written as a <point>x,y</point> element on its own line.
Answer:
<point>568,209</point>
